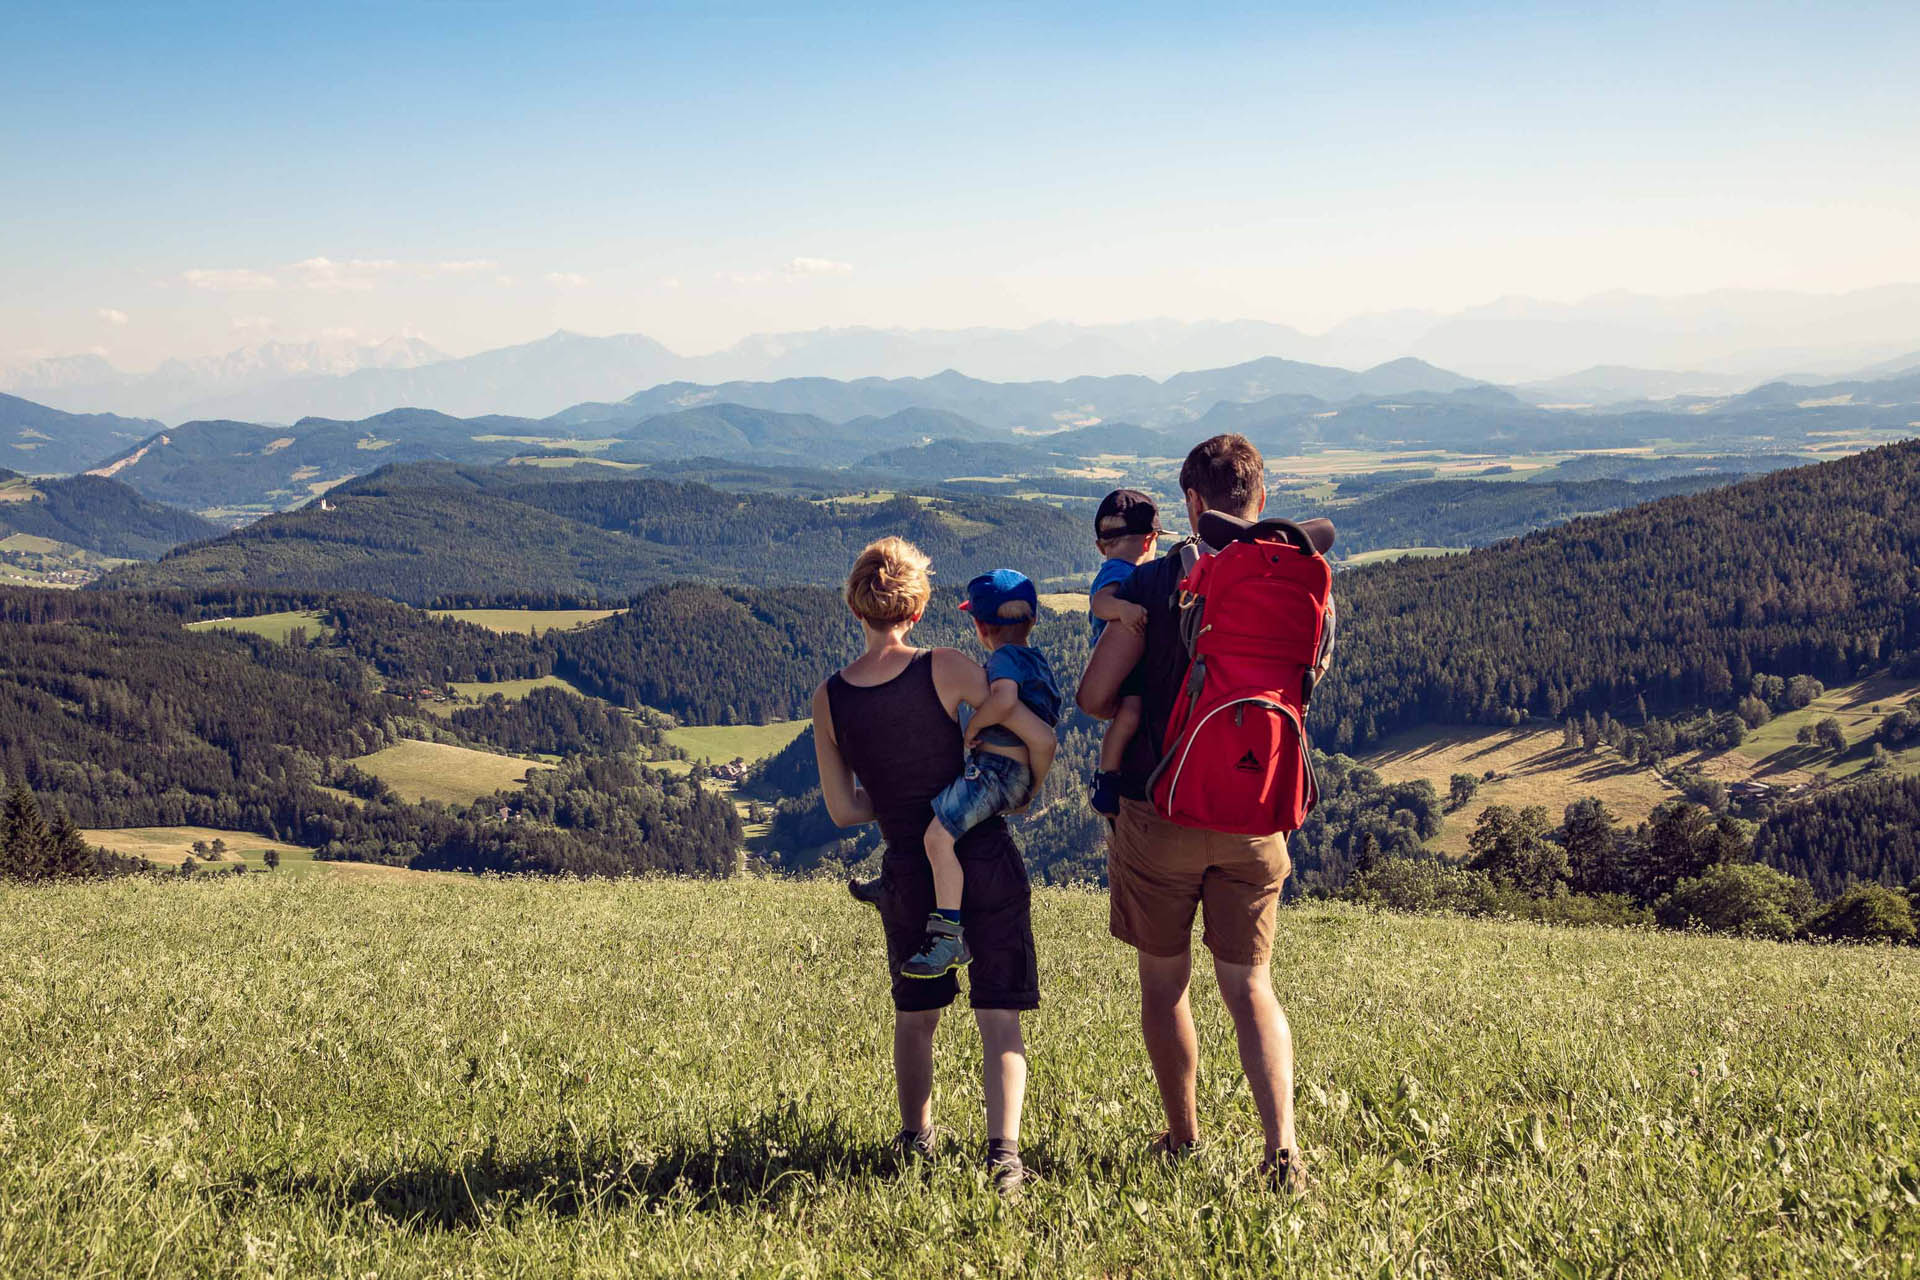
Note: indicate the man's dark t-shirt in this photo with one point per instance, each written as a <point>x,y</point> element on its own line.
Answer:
<point>1163,665</point>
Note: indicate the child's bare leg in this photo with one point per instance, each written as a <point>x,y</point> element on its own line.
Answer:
<point>1120,731</point>
<point>949,882</point>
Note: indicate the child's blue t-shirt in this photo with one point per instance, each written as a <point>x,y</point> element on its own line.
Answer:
<point>1027,667</point>
<point>1112,573</point>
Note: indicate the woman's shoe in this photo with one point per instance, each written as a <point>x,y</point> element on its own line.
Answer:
<point>944,950</point>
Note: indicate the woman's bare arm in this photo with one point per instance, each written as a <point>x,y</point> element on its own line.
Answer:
<point>847,801</point>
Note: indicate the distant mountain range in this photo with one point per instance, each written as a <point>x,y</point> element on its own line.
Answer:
<point>1628,346</point>
<point>948,427</point>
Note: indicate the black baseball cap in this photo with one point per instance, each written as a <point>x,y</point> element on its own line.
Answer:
<point>1124,512</point>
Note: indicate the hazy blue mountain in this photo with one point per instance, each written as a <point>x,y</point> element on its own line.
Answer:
<point>1619,384</point>
<point>226,385</point>
<point>37,440</point>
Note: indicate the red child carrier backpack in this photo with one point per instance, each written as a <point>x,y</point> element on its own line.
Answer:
<point>1253,614</point>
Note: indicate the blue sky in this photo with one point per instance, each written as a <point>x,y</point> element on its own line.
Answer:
<point>183,178</point>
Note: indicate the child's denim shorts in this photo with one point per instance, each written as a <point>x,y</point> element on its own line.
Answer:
<point>991,784</point>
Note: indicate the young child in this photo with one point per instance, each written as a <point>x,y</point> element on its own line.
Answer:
<point>1002,748</point>
<point>1126,529</point>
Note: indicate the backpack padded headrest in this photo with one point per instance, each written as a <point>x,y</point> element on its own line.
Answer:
<point>1217,529</point>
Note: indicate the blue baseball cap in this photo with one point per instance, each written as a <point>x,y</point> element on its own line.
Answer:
<point>991,592</point>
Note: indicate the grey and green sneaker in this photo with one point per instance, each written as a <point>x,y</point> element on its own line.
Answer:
<point>944,950</point>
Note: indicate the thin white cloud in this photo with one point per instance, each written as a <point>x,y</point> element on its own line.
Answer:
<point>506,280</point>
<point>466,266</point>
<point>670,282</point>
<point>741,277</point>
<point>252,324</point>
<point>112,315</point>
<point>566,279</point>
<point>817,267</point>
<point>228,279</point>
<point>339,335</point>
<point>355,275</point>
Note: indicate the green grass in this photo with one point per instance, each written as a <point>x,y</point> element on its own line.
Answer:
<point>1859,707</point>
<point>529,621</point>
<point>451,775</point>
<point>273,1076</point>
<point>171,845</point>
<point>720,743</point>
<point>1400,553</point>
<point>274,626</point>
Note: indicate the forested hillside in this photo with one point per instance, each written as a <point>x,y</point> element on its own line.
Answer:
<point>96,514</point>
<point>110,709</point>
<point>1813,571</point>
<point>42,441</point>
<point>1866,832</point>
<point>1474,513</point>
<point>418,534</point>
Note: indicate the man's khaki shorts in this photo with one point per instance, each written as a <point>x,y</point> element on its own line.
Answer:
<point>1158,873</point>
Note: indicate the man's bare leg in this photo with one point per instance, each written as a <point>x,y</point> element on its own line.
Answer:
<point>1003,1071</point>
<point>1266,1049</point>
<point>913,1067</point>
<point>1166,1024</point>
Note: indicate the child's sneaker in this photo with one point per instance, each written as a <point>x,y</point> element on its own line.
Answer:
<point>1106,794</point>
<point>867,891</point>
<point>945,950</point>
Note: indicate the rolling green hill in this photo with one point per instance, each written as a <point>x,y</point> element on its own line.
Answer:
<point>96,514</point>
<point>1810,571</point>
<point>421,533</point>
<point>49,442</point>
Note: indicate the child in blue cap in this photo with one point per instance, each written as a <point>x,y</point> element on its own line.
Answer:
<point>999,773</point>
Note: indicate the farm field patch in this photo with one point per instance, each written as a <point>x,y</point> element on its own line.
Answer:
<point>719,743</point>
<point>1398,553</point>
<point>538,1107</point>
<point>274,626</point>
<point>1859,708</point>
<point>170,846</point>
<point>448,774</point>
<point>529,621</point>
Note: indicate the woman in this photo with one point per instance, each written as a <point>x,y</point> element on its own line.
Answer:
<point>887,735</point>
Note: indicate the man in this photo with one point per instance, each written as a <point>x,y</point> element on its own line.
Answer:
<point>1161,873</point>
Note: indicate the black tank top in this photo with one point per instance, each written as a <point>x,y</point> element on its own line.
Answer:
<point>899,741</point>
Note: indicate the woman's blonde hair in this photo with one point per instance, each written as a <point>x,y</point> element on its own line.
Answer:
<point>890,583</point>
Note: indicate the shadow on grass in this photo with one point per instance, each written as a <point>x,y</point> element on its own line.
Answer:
<point>758,1161</point>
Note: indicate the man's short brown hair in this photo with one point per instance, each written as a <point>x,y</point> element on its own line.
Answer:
<point>1225,471</point>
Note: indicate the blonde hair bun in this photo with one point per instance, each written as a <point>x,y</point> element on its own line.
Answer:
<point>891,582</point>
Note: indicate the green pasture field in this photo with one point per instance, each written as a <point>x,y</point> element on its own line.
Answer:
<point>562,464</point>
<point>1399,553</point>
<point>438,1076</point>
<point>449,774</point>
<point>529,621</point>
<point>1533,767</point>
<point>719,743</point>
<point>1858,707</point>
<point>274,626</point>
<point>472,691</point>
<point>169,846</point>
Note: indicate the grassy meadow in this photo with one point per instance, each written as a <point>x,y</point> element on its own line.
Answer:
<point>1859,708</point>
<point>719,743</point>
<point>274,626</point>
<point>443,1076</point>
<point>529,621</point>
<point>449,774</point>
